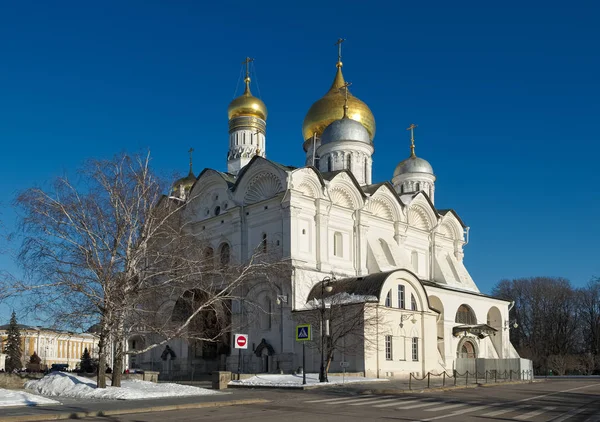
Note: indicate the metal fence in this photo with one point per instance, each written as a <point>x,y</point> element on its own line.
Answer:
<point>433,380</point>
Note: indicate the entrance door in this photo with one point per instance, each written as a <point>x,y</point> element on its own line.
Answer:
<point>467,351</point>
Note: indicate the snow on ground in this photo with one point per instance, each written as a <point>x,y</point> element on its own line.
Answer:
<point>21,398</point>
<point>269,380</point>
<point>61,384</point>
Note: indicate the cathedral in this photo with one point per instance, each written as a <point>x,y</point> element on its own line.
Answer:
<point>384,243</point>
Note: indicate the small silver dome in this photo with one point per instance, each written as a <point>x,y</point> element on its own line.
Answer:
<point>345,129</point>
<point>413,164</point>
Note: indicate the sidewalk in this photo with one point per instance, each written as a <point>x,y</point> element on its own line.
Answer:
<point>75,409</point>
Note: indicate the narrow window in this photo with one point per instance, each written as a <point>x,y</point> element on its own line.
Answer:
<point>415,348</point>
<point>225,254</point>
<point>349,162</point>
<point>217,210</point>
<point>401,296</point>
<point>338,246</point>
<point>388,348</point>
<point>366,180</point>
<point>264,243</point>
<point>329,163</point>
<point>418,186</point>
<point>413,303</point>
<point>388,299</point>
<point>270,311</point>
<point>209,255</point>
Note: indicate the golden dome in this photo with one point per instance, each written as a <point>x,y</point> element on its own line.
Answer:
<point>331,107</point>
<point>247,105</point>
<point>185,182</point>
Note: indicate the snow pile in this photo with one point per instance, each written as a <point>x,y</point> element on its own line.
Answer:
<point>20,398</point>
<point>61,384</point>
<point>269,380</point>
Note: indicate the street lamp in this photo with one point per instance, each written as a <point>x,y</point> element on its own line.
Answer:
<point>325,287</point>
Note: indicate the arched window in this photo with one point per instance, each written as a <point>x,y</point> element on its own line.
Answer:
<point>418,186</point>
<point>264,243</point>
<point>401,296</point>
<point>225,254</point>
<point>413,303</point>
<point>209,256</point>
<point>329,163</point>
<point>366,171</point>
<point>217,210</point>
<point>349,162</point>
<point>414,260</point>
<point>338,245</point>
<point>388,299</point>
<point>465,315</point>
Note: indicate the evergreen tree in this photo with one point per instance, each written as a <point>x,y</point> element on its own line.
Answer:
<point>86,361</point>
<point>13,345</point>
<point>35,359</point>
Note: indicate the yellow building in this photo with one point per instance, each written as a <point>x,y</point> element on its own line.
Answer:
<point>52,346</point>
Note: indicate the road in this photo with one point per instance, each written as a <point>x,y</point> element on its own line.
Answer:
<point>551,401</point>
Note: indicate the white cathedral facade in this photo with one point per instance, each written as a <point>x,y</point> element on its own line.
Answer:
<point>385,241</point>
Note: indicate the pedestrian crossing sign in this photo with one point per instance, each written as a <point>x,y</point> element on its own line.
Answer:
<point>303,332</point>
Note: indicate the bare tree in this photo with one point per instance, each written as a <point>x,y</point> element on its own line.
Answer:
<point>349,322</point>
<point>547,313</point>
<point>112,250</point>
<point>589,303</point>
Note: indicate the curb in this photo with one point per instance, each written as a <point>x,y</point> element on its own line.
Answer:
<point>81,415</point>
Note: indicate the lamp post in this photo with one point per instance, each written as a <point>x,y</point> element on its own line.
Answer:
<point>325,287</point>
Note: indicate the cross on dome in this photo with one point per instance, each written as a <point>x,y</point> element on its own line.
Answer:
<point>412,139</point>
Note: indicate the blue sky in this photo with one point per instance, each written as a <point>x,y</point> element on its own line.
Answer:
<point>506,96</point>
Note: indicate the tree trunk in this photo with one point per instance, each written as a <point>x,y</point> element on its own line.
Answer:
<point>102,344</point>
<point>119,354</point>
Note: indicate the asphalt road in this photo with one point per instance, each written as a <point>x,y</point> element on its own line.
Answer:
<point>557,401</point>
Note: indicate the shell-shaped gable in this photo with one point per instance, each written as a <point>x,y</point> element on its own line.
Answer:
<point>344,191</point>
<point>260,180</point>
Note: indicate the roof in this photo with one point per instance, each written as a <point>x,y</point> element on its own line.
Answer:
<point>444,287</point>
<point>449,210</point>
<point>23,327</point>
<point>369,285</point>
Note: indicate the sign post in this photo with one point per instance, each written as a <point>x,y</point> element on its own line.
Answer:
<point>303,334</point>
<point>240,342</point>
<point>344,365</point>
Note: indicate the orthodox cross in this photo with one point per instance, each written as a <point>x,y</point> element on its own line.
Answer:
<point>247,63</point>
<point>345,88</point>
<point>412,138</point>
<point>190,152</point>
<point>339,46</point>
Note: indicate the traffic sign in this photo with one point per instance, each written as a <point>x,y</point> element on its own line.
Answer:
<point>241,341</point>
<point>303,332</point>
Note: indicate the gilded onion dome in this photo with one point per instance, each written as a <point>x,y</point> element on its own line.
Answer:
<point>247,105</point>
<point>184,185</point>
<point>330,108</point>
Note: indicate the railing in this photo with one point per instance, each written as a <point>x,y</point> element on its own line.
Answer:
<point>433,380</point>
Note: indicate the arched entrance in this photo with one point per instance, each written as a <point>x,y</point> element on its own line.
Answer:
<point>467,349</point>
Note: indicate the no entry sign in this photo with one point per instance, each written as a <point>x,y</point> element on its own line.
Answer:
<point>241,341</point>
